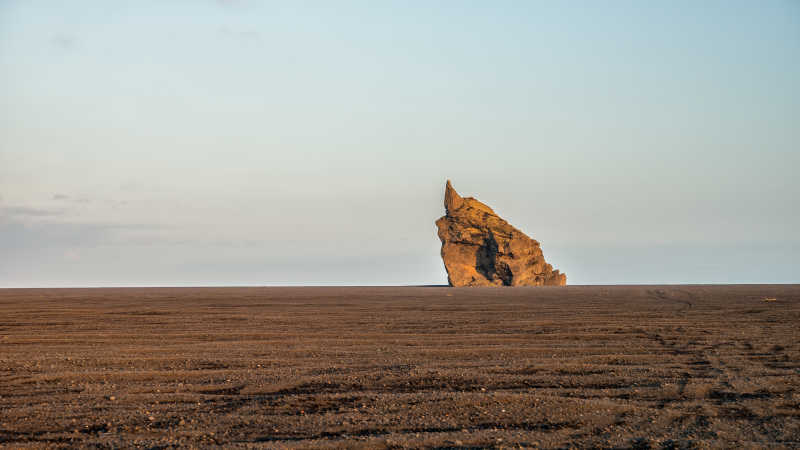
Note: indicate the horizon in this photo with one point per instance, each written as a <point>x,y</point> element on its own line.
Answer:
<point>344,286</point>
<point>235,143</point>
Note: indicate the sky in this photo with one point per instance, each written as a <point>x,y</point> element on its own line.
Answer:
<point>308,143</point>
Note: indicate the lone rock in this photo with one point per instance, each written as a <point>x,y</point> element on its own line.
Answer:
<point>481,249</point>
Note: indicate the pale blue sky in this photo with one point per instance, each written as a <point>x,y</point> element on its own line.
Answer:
<point>244,142</point>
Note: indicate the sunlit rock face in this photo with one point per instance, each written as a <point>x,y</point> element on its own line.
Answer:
<point>481,249</point>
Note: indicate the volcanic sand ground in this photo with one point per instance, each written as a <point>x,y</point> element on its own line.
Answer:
<point>635,366</point>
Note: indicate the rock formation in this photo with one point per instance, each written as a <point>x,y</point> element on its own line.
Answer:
<point>481,249</point>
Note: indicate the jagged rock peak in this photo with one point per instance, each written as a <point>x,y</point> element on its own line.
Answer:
<point>481,249</point>
<point>452,201</point>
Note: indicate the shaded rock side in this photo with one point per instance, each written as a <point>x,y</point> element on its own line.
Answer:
<point>481,249</point>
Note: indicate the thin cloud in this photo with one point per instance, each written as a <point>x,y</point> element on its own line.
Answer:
<point>67,198</point>
<point>37,237</point>
<point>25,211</point>
<point>63,41</point>
<point>244,35</point>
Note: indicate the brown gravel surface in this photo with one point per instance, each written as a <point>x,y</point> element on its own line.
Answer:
<point>401,367</point>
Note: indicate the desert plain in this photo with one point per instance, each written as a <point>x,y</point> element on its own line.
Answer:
<point>401,367</point>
